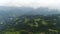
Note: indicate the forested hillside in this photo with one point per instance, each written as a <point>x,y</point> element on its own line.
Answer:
<point>27,20</point>
<point>29,16</point>
<point>33,24</point>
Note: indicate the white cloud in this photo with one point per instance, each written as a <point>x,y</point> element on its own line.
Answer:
<point>32,3</point>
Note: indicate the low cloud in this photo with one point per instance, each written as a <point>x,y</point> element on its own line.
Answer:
<point>31,3</point>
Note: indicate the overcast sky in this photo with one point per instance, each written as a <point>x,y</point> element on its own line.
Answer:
<point>31,3</point>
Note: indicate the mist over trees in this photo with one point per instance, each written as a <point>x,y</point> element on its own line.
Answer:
<point>27,10</point>
<point>27,20</point>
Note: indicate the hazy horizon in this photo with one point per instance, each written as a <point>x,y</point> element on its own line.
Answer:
<point>55,4</point>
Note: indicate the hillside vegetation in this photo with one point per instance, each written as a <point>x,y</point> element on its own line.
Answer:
<point>33,24</point>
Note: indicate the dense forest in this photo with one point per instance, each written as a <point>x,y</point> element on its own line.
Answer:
<point>33,24</point>
<point>27,20</point>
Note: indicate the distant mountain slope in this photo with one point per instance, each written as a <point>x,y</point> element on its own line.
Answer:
<point>26,10</point>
